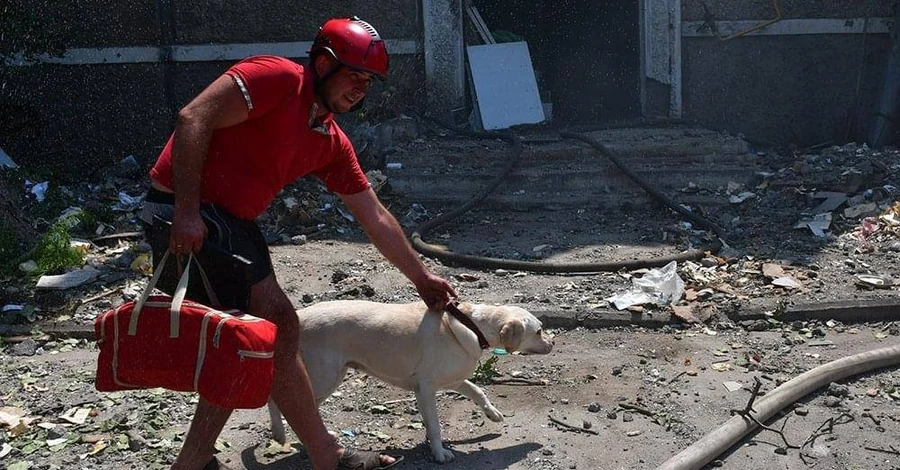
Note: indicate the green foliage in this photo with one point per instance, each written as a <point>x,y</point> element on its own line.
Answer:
<point>485,372</point>
<point>54,253</point>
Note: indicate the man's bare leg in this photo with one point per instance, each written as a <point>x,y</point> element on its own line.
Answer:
<point>292,390</point>
<point>199,444</point>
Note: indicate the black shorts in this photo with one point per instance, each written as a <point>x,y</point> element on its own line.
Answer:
<point>235,255</point>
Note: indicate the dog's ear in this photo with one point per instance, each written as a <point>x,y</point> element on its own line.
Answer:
<point>511,335</point>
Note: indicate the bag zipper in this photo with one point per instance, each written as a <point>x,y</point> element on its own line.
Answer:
<point>242,353</point>
<point>225,316</point>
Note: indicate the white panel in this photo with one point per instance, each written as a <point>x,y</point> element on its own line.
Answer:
<point>505,86</point>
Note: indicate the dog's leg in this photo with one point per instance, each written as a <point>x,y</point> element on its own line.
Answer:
<point>476,394</point>
<point>275,423</point>
<point>425,399</point>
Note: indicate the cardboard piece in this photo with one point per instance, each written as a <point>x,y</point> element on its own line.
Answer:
<point>506,90</point>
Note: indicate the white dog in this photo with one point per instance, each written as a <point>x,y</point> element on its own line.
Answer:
<point>411,347</point>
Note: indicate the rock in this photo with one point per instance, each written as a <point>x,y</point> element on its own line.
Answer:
<point>617,370</point>
<point>781,451</point>
<point>135,441</point>
<point>594,407</point>
<point>801,411</point>
<point>838,390</point>
<point>337,276</point>
<point>298,240</point>
<point>756,325</point>
<point>611,415</point>
<point>832,402</point>
<point>125,259</point>
<point>28,347</point>
<point>586,424</point>
<point>627,417</point>
<point>57,432</point>
<point>367,290</point>
<point>28,267</point>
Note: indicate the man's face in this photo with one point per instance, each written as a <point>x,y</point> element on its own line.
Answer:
<point>347,87</point>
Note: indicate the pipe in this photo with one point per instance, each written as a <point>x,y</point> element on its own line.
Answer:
<point>718,441</point>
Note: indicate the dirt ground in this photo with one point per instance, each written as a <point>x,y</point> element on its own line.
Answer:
<point>594,380</point>
<point>646,393</point>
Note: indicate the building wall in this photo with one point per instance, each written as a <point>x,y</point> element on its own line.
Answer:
<point>785,89</point>
<point>80,118</point>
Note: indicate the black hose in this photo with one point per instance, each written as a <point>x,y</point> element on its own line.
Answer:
<point>481,262</point>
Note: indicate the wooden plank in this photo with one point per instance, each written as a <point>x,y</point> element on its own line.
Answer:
<point>792,27</point>
<point>191,53</point>
<point>480,25</point>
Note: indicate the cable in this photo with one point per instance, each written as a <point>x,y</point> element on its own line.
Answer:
<point>515,152</point>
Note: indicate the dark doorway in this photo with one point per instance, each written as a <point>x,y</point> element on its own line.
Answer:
<point>586,54</point>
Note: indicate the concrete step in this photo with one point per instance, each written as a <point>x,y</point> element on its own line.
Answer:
<point>569,173</point>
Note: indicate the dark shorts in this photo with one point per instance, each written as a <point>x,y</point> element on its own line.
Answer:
<point>230,276</point>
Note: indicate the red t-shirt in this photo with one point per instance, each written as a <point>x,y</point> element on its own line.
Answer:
<point>249,163</point>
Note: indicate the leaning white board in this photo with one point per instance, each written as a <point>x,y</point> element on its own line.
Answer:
<point>505,88</point>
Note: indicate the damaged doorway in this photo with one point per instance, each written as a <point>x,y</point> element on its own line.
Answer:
<point>586,54</point>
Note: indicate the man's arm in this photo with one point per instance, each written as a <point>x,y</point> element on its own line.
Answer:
<point>386,234</point>
<point>221,104</point>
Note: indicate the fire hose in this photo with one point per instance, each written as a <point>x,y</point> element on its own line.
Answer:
<point>482,262</point>
<point>721,439</point>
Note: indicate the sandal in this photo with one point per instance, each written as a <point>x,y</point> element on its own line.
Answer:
<point>214,464</point>
<point>353,459</point>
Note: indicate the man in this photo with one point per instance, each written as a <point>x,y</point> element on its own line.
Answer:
<point>262,124</point>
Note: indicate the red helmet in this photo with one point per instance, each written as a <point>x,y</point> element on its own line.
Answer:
<point>354,43</point>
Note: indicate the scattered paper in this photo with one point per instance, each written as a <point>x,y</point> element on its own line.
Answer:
<point>660,286</point>
<point>39,190</point>
<point>76,415</point>
<point>739,198</point>
<point>787,282</point>
<point>733,386</point>
<point>817,224</point>
<point>69,279</point>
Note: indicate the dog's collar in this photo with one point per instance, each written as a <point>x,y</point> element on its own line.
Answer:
<point>465,320</point>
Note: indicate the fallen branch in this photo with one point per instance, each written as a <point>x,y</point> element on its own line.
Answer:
<point>401,400</point>
<point>886,451</point>
<point>677,377</point>
<point>117,236</point>
<point>519,381</point>
<point>573,428</point>
<point>829,423</point>
<point>639,409</point>
<point>746,414</point>
<point>101,295</point>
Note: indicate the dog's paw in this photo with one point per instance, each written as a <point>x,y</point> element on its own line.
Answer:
<point>441,455</point>
<point>493,414</point>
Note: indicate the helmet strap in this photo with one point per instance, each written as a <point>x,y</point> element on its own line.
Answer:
<point>319,86</point>
<point>319,83</point>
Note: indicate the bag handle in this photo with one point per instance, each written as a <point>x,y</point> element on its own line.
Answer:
<point>177,299</point>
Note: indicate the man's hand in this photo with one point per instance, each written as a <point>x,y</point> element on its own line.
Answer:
<point>188,232</point>
<point>435,291</point>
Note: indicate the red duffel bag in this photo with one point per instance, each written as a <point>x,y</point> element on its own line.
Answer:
<point>177,344</point>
